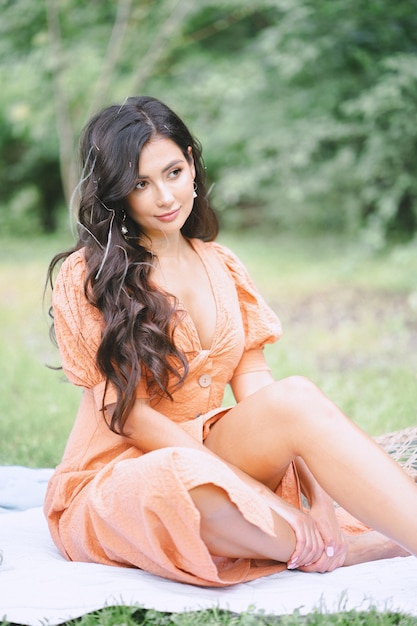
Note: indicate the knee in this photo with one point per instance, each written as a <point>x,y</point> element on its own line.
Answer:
<point>294,398</point>
<point>301,387</point>
<point>293,389</point>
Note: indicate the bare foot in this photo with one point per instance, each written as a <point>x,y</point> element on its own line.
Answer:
<point>371,546</point>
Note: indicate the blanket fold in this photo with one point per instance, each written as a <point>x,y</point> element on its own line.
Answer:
<point>37,585</point>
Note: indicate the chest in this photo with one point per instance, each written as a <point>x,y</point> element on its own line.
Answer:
<point>192,287</point>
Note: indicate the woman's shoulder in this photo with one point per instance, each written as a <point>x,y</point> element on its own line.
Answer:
<point>71,273</point>
<point>217,249</point>
<point>230,262</point>
<point>74,263</point>
<point>75,258</point>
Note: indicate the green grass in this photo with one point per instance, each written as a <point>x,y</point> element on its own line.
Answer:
<point>131,616</point>
<point>36,405</point>
<point>349,319</point>
<point>350,324</point>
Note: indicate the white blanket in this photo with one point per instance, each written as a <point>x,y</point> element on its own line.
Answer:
<point>37,585</point>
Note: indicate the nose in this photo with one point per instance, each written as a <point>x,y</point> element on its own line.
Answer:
<point>164,195</point>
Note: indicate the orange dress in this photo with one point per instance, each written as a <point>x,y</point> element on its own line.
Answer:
<point>110,503</point>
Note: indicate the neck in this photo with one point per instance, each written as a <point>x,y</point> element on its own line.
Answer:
<point>169,247</point>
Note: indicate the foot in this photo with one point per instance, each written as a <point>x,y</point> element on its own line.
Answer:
<point>371,546</point>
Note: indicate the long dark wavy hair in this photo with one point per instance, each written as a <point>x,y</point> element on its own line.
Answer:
<point>139,321</point>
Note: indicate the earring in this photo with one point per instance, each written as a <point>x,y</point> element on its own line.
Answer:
<point>123,227</point>
<point>195,190</point>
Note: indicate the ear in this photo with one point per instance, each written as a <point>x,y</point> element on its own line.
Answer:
<point>191,160</point>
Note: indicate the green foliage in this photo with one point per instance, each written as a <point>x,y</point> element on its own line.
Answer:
<point>386,164</point>
<point>38,405</point>
<point>349,323</point>
<point>131,616</point>
<point>349,320</point>
<point>305,109</point>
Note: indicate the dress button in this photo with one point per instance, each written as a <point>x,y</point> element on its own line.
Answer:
<point>204,380</point>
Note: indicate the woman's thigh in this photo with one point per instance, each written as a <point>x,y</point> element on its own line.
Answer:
<point>257,435</point>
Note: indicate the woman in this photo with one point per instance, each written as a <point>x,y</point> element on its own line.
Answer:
<point>153,319</point>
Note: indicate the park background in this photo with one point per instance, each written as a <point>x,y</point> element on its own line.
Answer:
<point>307,115</point>
<point>306,110</point>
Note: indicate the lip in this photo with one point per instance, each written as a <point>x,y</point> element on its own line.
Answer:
<point>168,217</point>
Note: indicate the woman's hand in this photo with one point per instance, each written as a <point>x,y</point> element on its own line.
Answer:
<point>309,543</point>
<point>335,547</point>
<point>323,513</point>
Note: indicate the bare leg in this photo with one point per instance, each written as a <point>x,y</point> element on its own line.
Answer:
<point>371,546</point>
<point>227,533</point>
<point>290,418</point>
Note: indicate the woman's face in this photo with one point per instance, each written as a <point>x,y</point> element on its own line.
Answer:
<point>163,197</point>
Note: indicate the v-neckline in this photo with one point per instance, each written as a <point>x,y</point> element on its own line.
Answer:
<point>198,247</point>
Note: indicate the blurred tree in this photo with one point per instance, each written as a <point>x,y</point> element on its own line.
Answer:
<point>361,89</point>
<point>292,102</point>
<point>305,109</point>
<point>29,168</point>
<point>56,77</point>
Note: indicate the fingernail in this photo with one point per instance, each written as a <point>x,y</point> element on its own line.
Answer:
<point>330,551</point>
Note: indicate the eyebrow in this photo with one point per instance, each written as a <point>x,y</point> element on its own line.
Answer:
<point>168,167</point>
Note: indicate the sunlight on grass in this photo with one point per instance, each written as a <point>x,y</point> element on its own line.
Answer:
<point>37,406</point>
<point>131,616</point>
<point>350,324</point>
<point>349,318</point>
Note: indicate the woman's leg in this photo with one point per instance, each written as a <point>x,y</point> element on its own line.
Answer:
<point>291,418</point>
<point>227,533</point>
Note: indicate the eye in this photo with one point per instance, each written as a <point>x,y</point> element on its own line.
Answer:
<point>175,173</point>
<point>141,184</point>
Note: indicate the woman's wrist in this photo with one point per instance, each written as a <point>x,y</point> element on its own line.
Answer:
<point>310,488</point>
<point>316,497</point>
<point>321,499</point>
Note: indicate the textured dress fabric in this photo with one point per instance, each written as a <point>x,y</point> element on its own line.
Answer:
<point>108,502</point>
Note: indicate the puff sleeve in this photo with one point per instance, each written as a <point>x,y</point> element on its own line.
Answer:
<point>78,329</point>
<point>261,325</point>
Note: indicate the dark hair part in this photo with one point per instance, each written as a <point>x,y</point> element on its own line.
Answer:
<point>139,321</point>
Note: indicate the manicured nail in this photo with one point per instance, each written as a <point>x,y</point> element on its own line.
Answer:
<point>330,551</point>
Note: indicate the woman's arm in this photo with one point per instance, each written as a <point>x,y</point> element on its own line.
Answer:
<point>252,374</point>
<point>148,430</point>
<point>321,505</point>
<point>315,495</point>
<point>323,512</point>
